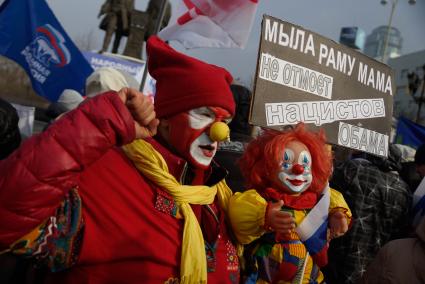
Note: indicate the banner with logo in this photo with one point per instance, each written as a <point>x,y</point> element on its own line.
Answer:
<point>31,35</point>
<point>304,77</point>
<point>134,67</point>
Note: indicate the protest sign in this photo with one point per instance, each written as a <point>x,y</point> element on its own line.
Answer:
<point>304,77</point>
<point>132,66</point>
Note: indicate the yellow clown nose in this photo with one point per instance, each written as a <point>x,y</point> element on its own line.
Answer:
<point>219,131</point>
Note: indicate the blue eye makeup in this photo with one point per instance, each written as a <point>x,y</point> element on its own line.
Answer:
<point>288,159</point>
<point>305,160</point>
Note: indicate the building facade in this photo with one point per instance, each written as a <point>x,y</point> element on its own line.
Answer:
<point>404,102</point>
<point>375,42</point>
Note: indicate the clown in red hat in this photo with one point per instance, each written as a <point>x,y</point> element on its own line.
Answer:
<point>123,191</point>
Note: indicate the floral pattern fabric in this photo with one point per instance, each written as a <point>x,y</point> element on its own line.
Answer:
<point>57,241</point>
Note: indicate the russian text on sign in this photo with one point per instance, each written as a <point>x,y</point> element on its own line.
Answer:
<point>363,139</point>
<point>275,33</point>
<point>322,112</point>
<point>295,76</point>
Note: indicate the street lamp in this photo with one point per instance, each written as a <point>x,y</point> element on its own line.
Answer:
<point>393,5</point>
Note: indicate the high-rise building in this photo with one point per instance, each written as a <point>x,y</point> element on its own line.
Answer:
<point>353,37</point>
<point>376,40</point>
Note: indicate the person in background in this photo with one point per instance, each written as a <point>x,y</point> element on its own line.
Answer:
<point>418,205</point>
<point>10,137</point>
<point>408,170</point>
<point>121,197</point>
<point>380,201</point>
<point>106,79</point>
<point>68,100</point>
<point>229,152</point>
<point>101,80</point>
<point>399,261</point>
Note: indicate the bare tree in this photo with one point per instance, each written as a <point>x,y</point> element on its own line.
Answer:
<point>86,41</point>
<point>15,85</point>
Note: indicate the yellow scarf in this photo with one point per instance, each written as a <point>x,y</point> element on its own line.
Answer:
<point>151,164</point>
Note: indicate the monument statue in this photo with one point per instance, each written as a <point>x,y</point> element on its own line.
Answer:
<point>153,10</point>
<point>121,17</point>
<point>116,19</point>
<point>143,25</point>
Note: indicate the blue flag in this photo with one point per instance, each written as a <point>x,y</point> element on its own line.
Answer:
<point>31,36</point>
<point>409,133</point>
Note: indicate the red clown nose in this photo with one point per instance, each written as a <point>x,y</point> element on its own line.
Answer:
<point>297,169</point>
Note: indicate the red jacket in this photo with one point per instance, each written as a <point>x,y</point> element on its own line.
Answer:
<point>129,235</point>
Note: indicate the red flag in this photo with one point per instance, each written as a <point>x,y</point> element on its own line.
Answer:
<point>211,23</point>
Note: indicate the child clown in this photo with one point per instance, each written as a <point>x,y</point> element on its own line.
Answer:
<point>287,220</point>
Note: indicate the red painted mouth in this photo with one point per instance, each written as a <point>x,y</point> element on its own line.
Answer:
<point>207,150</point>
<point>296,182</point>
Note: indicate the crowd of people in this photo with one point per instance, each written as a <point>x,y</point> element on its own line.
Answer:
<point>118,189</point>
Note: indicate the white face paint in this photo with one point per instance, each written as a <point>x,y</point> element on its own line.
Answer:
<point>203,155</point>
<point>188,134</point>
<point>202,149</point>
<point>296,179</point>
<point>201,117</point>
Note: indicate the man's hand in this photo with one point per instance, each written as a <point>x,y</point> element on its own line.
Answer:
<point>141,108</point>
<point>338,224</point>
<point>281,222</point>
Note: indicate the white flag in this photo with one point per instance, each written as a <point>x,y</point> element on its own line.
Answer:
<point>26,119</point>
<point>419,203</point>
<point>211,23</point>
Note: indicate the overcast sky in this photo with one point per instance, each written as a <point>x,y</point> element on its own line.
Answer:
<point>326,17</point>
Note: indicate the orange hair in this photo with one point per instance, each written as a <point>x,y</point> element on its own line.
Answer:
<point>262,159</point>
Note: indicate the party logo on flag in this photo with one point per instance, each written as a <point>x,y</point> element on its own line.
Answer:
<point>47,48</point>
<point>31,36</point>
<point>50,42</point>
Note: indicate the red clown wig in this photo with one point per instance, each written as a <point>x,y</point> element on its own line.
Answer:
<point>263,157</point>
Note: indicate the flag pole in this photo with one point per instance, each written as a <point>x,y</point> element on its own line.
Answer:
<point>156,30</point>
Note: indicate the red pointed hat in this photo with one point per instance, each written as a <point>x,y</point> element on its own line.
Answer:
<point>184,83</point>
